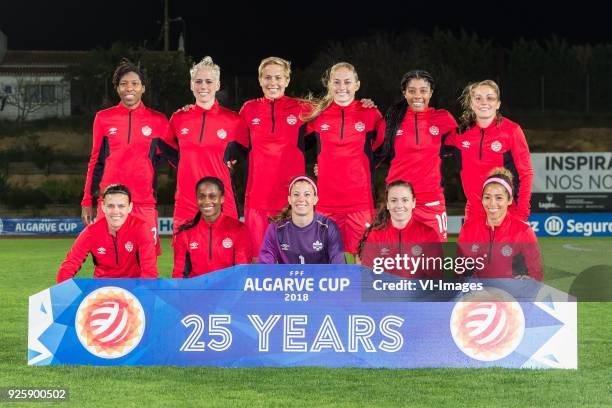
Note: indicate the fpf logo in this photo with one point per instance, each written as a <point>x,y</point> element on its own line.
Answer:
<point>110,322</point>
<point>488,325</point>
<point>553,225</point>
<point>129,246</point>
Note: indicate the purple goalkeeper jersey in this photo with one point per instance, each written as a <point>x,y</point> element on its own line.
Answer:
<point>317,243</point>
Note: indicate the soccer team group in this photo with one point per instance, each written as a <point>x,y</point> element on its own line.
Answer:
<point>288,216</point>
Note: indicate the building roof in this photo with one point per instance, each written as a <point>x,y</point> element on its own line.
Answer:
<point>38,62</point>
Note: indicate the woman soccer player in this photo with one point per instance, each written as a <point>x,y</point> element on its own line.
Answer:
<point>396,230</point>
<point>121,244</point>
<point>298,234</point>
<point>485,141</point>
<point>206,135</point>
<point>212,240</point>
<point>414,138</point>
<point>276,154</point>
<point>347,133</point>
<point>507,243</point>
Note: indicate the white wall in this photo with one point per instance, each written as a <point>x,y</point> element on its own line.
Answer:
<point>35,111</point>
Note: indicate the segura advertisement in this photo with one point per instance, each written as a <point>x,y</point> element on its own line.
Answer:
<point>571,225</point>
<point>576,182</point>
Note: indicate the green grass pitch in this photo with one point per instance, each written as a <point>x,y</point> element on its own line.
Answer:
<point>28,266</point>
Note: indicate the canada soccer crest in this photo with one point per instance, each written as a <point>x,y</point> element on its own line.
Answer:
<point>110,322</point>
<point>227,243</point>
<point>496,146</point>
<point>488,325</point>
<point>434,131</point>
<point>146,131</point>
<point>360,126</point>
<point>291,119</point>
<point>221,133</point>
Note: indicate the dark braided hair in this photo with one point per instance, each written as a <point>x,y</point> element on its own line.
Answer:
<point>396,112</point>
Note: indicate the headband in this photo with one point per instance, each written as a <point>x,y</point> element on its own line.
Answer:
<point>304,178</point>
<point>498,180</point>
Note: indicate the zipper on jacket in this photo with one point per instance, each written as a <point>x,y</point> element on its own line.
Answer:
<point>400,242</point>
<point>202,128</point>
<point>416,128</point>
<point>481,140</point>
<point>491,240</point>
<point>116,252</point>
<point>342,125</point>
<point>129,127</point>
<point>273,120</point>
<point>210,243</point>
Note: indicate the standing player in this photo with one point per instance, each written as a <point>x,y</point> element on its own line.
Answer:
<point>508,244</point>
<point>298,234</point>
<point>121,245</point>
<point>414,138</point>
<point>212,240</point>
<point>127,142</point>
<point>347,133</point>
<point>487,140</point>
<point>276,146</point>
<point>205,136</point>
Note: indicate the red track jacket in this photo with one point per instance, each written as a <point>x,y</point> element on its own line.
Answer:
<point>413,240</point>
<point>208,247</point>
<point>481,150</point>
<point>415,155</point>
<point>346,138</point>
<point>205,140</point>
<point>276,152</point>
<point>129,254</point>
<point>127,144</point>
<point>510,249</point>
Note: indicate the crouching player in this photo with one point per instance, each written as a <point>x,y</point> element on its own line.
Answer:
<point>120,244</point>
<point>396,232</point>
<point>212,240</point>
<point>506,241</point>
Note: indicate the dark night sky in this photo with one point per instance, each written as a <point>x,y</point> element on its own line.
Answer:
<point>241,35</point>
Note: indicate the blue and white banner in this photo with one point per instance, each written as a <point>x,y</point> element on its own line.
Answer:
<point>301,315</point>
<point>572,225</point>
<point>59,226</point>
<point>40,226</point>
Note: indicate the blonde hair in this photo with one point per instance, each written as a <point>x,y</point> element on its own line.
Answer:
<point>468,117</point>
<point>206,63</point>
<point>320,104</point>
<point>284,64</point>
